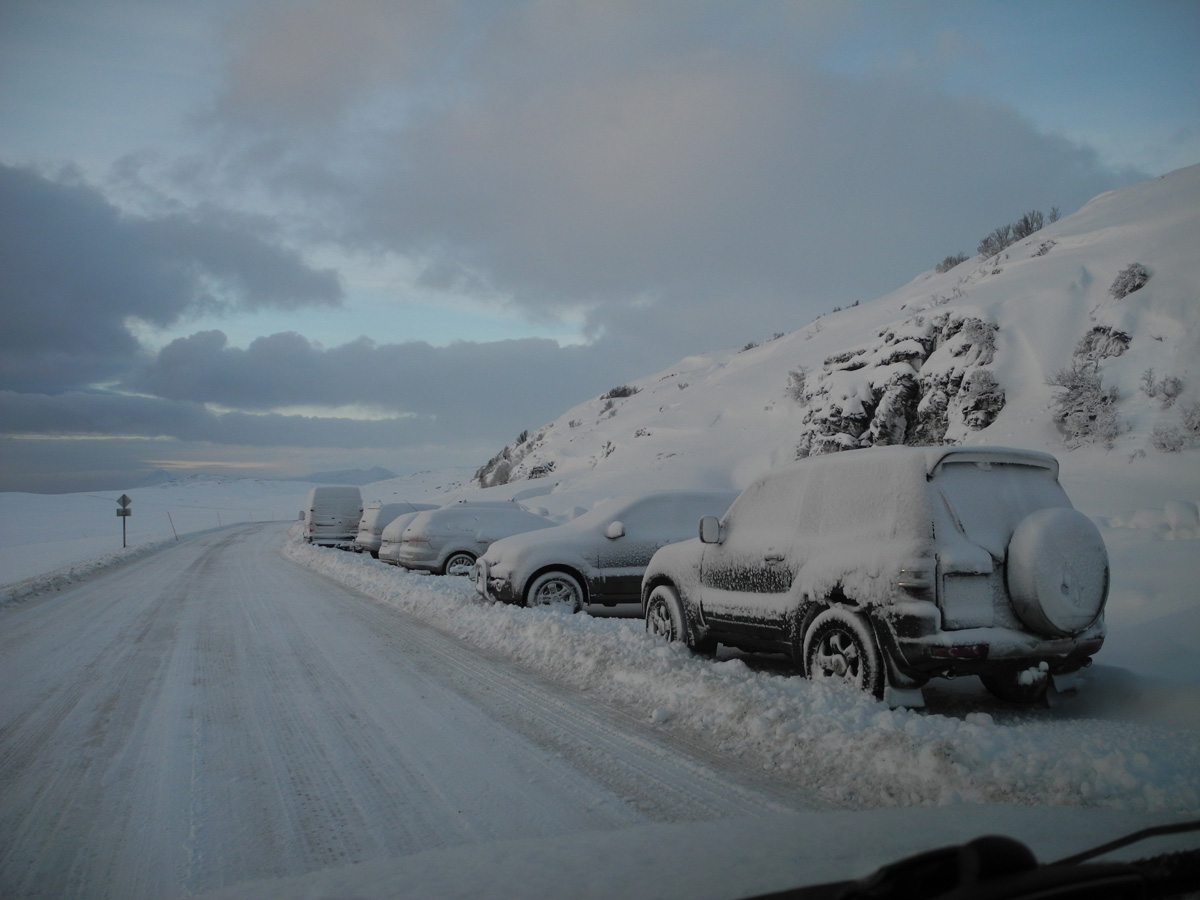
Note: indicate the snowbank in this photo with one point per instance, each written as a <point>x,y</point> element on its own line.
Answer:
<point>850,750</point>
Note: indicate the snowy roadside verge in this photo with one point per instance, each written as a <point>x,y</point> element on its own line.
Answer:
<point>849,749</point>
<point>65,576</point>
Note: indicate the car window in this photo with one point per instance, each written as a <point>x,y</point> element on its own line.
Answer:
<point>989,500</point>
<point>770,506</point>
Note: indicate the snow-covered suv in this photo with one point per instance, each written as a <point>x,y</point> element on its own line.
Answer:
<point>889,566</point>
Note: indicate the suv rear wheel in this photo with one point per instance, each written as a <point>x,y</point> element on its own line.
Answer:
<point>839,645</point>
<point>664,615</point>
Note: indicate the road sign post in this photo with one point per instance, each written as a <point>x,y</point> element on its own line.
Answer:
<point>124,512</point>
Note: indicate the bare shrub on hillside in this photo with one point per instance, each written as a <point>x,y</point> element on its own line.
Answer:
<point>1006,235</point>
<point>950,262</point>
<point>1167,439</point>
<point>624,390</point>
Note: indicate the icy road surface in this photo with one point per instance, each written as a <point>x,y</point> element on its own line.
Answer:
<point>215,712</point>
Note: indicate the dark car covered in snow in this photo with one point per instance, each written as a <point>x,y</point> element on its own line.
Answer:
<point>597,558</point>
<point>890,566</point>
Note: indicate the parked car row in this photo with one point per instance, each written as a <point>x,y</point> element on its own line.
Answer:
<point>377,516</point>
<point>882,568</point>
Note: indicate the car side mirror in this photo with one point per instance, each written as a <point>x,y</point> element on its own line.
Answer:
<point>710,530</point>
<point>615,530</point>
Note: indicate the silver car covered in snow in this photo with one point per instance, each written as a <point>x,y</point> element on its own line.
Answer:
<point>448,540</point>
<point>376,516</point>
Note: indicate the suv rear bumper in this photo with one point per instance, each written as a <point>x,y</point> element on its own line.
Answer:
<point>921,648</point>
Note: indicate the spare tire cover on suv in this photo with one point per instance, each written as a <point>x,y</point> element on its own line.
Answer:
<point>1057,571</point>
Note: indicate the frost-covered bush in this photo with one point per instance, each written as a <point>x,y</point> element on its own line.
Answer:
<point>541,470</point>
<point>980,399</point>
<point>496,471</point>
<point>624,390</point>
<point>795,385</point>
<point>1006,235</point>
<point>1084,410</point>
<point>1102,342</point>
<point>950,262</point>
<point>1131,278</point>
<point>509,464</point>
<point>1026,225</point>
<point>1191,418</point>
<point>1167,438</point>
<point>1167,390</point>
<point>996,241</point>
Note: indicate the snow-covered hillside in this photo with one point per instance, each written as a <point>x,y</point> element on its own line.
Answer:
<point>963,356</point>
<point>960,356</point>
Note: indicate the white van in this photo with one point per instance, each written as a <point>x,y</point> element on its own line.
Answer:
<point>376,516</point>
<point>333,514</point>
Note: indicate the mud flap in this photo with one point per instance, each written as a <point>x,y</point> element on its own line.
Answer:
<point>910,698</point>
<point>1062,686</point>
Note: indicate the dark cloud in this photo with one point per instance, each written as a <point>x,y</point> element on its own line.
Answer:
<point>677,165</point>
<point>76,269</point>
<point>686,175</point>
<point>434,406</point>
<point>468,387</point>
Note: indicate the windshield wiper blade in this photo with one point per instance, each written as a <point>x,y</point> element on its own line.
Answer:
<point>1001,868</point>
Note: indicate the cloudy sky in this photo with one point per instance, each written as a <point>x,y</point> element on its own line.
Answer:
<point>266,238</point>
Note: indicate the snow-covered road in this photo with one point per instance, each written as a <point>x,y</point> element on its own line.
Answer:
<point>214,713</point>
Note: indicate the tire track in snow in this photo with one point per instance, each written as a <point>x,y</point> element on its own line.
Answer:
<point>216,713</point>
<point>666,778</point>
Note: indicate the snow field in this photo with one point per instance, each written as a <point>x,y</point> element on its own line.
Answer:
<point>849,749</point>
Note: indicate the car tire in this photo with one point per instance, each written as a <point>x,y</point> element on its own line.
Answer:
<point>459,560</point>
<point>664,615</point>
<point>1057,571</point>
<point>670,622</point>
<point>1007,686</point>
<point>555,589</point>
<point>839,644</point>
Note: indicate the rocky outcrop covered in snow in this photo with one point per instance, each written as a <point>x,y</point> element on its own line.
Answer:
<point>923,381</point>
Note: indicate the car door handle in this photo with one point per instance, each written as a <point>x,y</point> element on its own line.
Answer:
<point>773,558</point>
